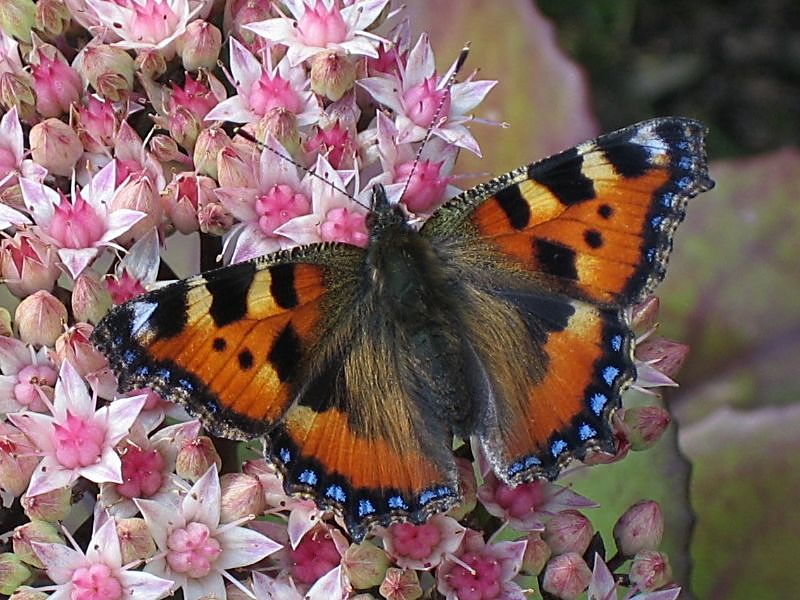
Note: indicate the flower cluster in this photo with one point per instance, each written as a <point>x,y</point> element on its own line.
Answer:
<point>115,142</point>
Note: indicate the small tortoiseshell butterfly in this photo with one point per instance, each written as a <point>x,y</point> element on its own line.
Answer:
<point>501,318</point>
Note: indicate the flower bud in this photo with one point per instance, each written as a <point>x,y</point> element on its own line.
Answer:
<point>184,126</point>
<point>242,495</point>
<point>74,346</point>
<point>96,124</point>
<point>90,298</point>
<point>165,149</point>
<point>55,146</point>
<point>281,124</point>
<point>109,70</point>
<point>40,318</point>
<point>214,218</point>
<point>135,540</point>
<point>209,144</point>
<point>150,63</point>
<point>185,194</point>
<point>17,18</point>
<point>5,322</point>
<point>195,457</point>
<point>665,355</point>
<point>332,74</point>
<point>400,584</point>
<point>50,506</point>
<point>650,570</point>
<point>566,576</point>
<point>18,460</point>
<point>537,553</point>
<point>568,531</point>
<point>27,264</point>
<point>640,528</point>
<point>16,91</point>
<point>644,425</point>
<point>52,17</point>
<point>56,84</point>
<point>235,167</point>
<point>365,565</point>
<point>199,46</point>
<point>644,316</point>
<point>28,594</point>
<point>138,193</point>
<point>13,573</point>
<point>34,531</point>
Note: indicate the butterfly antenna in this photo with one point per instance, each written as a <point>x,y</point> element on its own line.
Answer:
<point>251,138</point>
<point>462,58</point>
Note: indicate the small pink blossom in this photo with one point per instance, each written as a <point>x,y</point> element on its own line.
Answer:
<point>423,546</point>
<point>195,548</point>
<point>96,123</point>
<point>27,377</point>
<point>99,573</point>
<point>336,143</point>
<point>315,555</point>
<point>318,25</point>
<point>77,440</point>
<point>57,85</point>
<point>137,271</point>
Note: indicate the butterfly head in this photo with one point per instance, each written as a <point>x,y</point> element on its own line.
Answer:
<point>384,215</point>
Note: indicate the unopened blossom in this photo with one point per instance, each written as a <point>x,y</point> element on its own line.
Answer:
<point>77,440</point>
<point>17,18</point>
<point>401,584</point>
<point>56,83</point>
<point>74,346</point>
<point>195,548</point>
<point>334,216</point>
<point>199,46</point>
<point>527,505</point>
<point>55,146</point>
<point>17,459</point>
<point>242,495</point>
<point>99,572</point>
<point>336,143</point>
<point>365,565</point>
<point>90,298</point>
<point>195,456</point>
<point>81,227</point>
<point>537,553</point>
<point>51,506</point>
<point>641,527</point>
<point>138,193</point>
<point>96,123</point>
<point>28,264</point>
<point>40,318</point>
<point>318,25</point>
<point>108,69</point>
<point>27,376</point>
<point>566,576</point>
<point>210,143</point>
<point>419,94</point>
<point>650,570</point>
<point>12,153</point>
<point>644,425</point>
<point>184,196</point>
<point>332,74</point>
<point>264,88</point>
<point>13,572</point>
<point>568,531</point>
<point>52,17</point>
<point>483,570</point>
<point>135,540</point>
<point>423,546</point>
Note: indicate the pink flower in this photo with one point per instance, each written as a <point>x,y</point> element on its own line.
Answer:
<point>318,25</point>
<point>96,123</point>
<point>416,94</point>
<point>316,554</point>
<point>527,505</point>
<point>82,227</point>
<point>423,546</point>
<point>77,440</point>
<point>27,377</point>
<point>260,90</point>
<point>336,143</point>
<point>195,549</point>
<point>137,271</point>
<point>57,85</point>
<point>481,571</point>
<point>99,573</point>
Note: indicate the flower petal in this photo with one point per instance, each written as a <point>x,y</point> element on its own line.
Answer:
<point>234,109</point>
<point>144,586</point>
<point>120,221</point>
<point>242,546</point>
<point>76,261</point>
<point>59,560</point>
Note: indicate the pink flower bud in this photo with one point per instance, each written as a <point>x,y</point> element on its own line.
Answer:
<point>27,264</point>
<point>236,167</point>
<point>40,318</point>
<point>184,126</point>
<point>74,345</point>
<point>400,584</point>
<point>650,570</point>
<point>195,457</point>
<point>282,125</point>
<point>34,531</point>
<point>90,298</point>
<point>242,495</point>
<point>209,144</point>
<point>566,576</point>
<point>18,459</point>
<point>13,573</point>
<point>537,553</point>
<point>150,63</point>
<point>365,565</point>
<point>17,18</point>
<point>640,528</point>
<point>425,188</point>
<point>109,70</point>
<point>644,316</point>
<point>336,143</point>
<point>139,193</point>
<point>644,425</point>
<point>52,17</point>
<point>52,506</point>
<point>96,124</point>
<point>57,85</point>
<point>332,74</point>
<point>165,149</point>
<point>665,355</point>
<point>184,196</point>
<point>568,531</point>
<point>16,91</point>
<point>55,146</point>
<point>199,46</point>
<point>214,218</point>
<point>135,540</point>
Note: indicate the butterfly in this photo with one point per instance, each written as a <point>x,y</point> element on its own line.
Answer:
<point>502,319</point>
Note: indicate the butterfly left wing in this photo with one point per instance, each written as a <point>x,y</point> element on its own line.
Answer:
<point>566,243</point>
